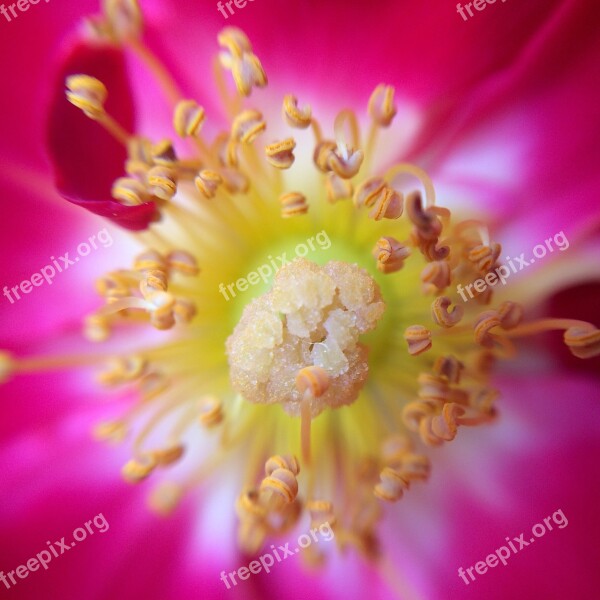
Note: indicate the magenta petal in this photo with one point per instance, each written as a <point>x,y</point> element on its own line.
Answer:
<point>87,159</point>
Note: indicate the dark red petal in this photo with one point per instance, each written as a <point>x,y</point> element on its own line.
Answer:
<point>85,157</point>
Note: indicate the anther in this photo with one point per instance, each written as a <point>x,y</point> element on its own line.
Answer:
<point>163,153</point>
<point>381,105</point>
<point>248,506</point>
<point>124,18</point>
<point>87,93</point>
<point>167,456</point>
<point>182,262</point>
<point>188,118</point>
<point>208,182</point>
<point>388,205</point>
<point>414,412</point>
<point>433,389</point>
<point>436,276</point>
<point>390,254</point>
<point>282,462</point>
<point>418,339</point>
<point>484,257</point>
<point>321,511</point>
<point>394,448</point>
<point>483,400</point>
<point>247,126</point>
<point>484,323</point>
<point>414,467</point>
<point>296,117</point>
<point>162,303</point>
<point>162,322</point>
<point>185,309</point>
<point>345,163</point>
<point>441,428</point>
<point>281,154</point>
<point>442,316</point>
<point>162,181</point>
<point>583,341</point>
<point>130,191</point>
<point>165,497</point>
<point>426,221</point>
<point>139,149</point>
<point>430,249</point>
<point>234,40</point>
<point>321,155</point>
<point>449,367</point>
<point>211,411</point>
<point>337,188</point>
<point>154,281</point>
<point>369,191</point>
<point>123,369</point>
<point>247,73</point>
<point>114,285</point>
<point>391,487</point>
<point>292,204</point>
<point>510,314</point>
<point>137,470</point>
<point>281,482</point>
<point>149,260</point>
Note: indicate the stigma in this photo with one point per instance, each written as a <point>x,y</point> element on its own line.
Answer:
<point>313,316</point>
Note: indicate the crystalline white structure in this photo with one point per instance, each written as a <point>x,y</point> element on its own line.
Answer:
<point>312,316</point>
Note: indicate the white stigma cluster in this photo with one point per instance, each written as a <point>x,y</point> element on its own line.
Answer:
<point>312,316</point>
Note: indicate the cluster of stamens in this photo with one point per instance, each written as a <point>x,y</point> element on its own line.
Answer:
<point>144,287</point>
<point>298,345</point>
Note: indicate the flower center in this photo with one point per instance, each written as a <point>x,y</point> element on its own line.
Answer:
<point>302,334</point>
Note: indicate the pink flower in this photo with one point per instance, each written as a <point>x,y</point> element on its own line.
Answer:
<point>498,110</point>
